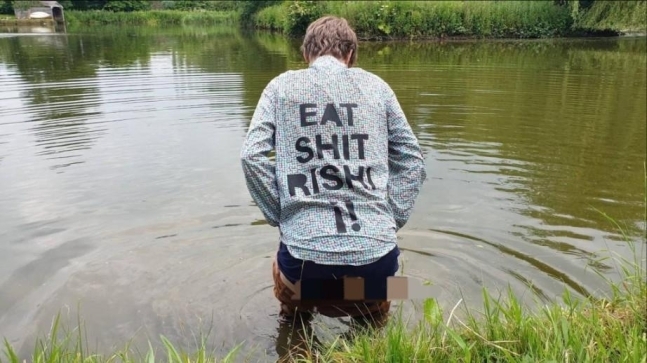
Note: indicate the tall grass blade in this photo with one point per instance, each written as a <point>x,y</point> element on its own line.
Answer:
<point>172,354</point>
<point>10,353</point>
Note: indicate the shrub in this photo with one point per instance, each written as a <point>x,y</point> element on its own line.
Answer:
<point>249,8</point>
<point>272,18</point>
<point>300,14</point>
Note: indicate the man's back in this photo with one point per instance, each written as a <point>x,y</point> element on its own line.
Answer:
<point>347,165</point>
<point>344,178</point>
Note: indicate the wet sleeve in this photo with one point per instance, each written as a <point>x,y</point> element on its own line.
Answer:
<point>258,168</point>
<point>406,162</point>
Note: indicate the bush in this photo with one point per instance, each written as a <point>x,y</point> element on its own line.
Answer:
<point>615,15</point>
<point>300,14</point>
<point>272,18</point>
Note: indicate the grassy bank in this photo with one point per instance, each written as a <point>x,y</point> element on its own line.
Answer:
<point>151,18</point>
<point>404,19</point>
<point>613,329</point>
<point>438,19</point>
<point>607,330</point>
<point>426,19</point>
<point>625,16</point>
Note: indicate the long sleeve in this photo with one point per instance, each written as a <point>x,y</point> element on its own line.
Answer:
<point>259,170</point>
<point>406,163</point>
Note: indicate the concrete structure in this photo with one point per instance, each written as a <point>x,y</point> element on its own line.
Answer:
<point>42,10</point>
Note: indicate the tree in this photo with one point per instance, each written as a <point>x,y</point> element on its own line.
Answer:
<point>6,7</point>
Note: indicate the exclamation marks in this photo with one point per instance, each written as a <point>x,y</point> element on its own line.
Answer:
<point>339,220</point>
<point>351,212</point>
<point>339,217</point>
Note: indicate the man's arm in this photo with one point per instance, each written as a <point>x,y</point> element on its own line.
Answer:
<point>406,163</point>
<point>259,170</point>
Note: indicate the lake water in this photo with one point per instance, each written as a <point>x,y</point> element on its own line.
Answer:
<point>122,199</point>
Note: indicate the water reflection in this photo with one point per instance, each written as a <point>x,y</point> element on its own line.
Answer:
<point>120,185</point>
<point>58,94</point>
<point>562,122</point>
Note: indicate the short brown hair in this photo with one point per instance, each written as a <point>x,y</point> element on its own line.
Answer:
<point>330,35</point>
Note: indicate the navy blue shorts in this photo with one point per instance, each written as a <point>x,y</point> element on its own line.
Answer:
<point>295,269</point>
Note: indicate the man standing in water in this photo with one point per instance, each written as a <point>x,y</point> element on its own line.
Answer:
<point>346,173</point>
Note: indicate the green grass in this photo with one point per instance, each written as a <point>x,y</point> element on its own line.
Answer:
<point>613,329</point>
<point>272,18</point>
<point>62,346</point>
<point>151,18</point>
<point>409,19</point>
<point>610,329</point>
<point>625,16</point>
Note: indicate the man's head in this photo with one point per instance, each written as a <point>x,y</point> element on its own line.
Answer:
<point>330,36</point>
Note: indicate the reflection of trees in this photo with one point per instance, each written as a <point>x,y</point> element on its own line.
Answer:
<point>222,50</point>
<point>59,107</point>
<point>62,92</point>
<point>570,116</point>
<point>234,52</point>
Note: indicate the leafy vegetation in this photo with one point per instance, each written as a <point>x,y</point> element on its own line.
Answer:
<point>386,19</point>
<point>426,19</point>
<point>619,15</point>
<point>433,19</point>
<point>249,8</point>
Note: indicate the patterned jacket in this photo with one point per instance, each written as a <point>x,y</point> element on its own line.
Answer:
<point>346,168</point>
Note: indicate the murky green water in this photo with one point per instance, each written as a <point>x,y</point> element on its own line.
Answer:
<point>121,190</point>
